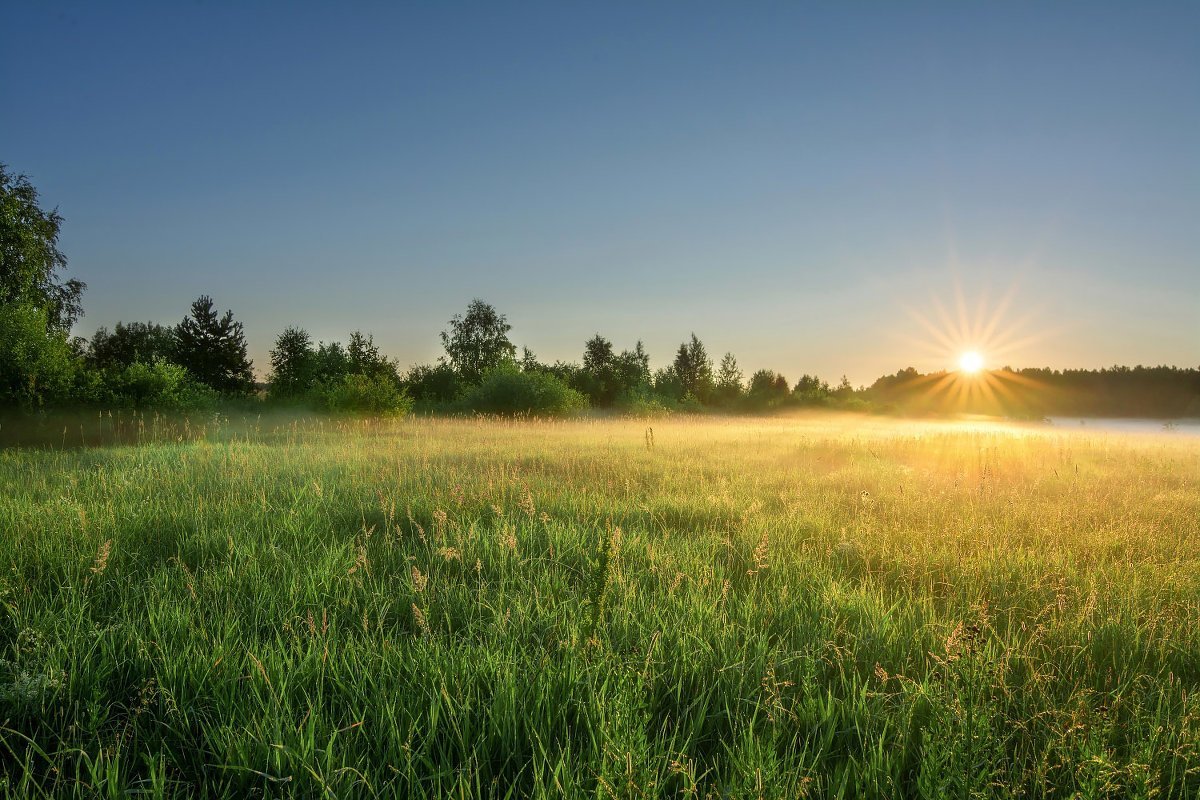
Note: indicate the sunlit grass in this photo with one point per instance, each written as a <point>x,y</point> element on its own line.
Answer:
<point>813,607</point>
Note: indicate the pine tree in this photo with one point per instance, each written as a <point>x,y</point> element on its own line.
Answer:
<point>213,348</point>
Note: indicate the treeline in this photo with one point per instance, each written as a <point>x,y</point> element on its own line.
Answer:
<point>481,371</point>
<point>1162,392</point>
<point>202,360</point>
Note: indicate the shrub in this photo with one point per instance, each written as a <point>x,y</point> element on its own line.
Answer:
<point>377,394</point>
<point>159,384</point>
<point>36,366</point>
<point>507,391</point>
<point>433,386</point>
<point>642,404</point>
<point>855,404</point>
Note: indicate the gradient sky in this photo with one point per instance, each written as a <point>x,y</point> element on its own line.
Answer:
<point>803,185</point>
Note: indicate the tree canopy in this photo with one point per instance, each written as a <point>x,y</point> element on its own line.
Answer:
<point>212,347</point>
<point>30,261</point>
<point>478,341</point>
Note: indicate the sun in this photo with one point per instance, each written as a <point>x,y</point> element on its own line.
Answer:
<point>970,362</point>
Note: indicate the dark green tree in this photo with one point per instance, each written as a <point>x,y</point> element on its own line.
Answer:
<point>768,388</point>
<point>30,261</point>
<point>433,385</point>
<point>600,379</point>
<point>633,370</point>
<point>365,359</point>
<point>693,368</point>
<point>293,364</point>
<point>129,343</point>
<point>330,362</point>
<point>213,348</point>
<point>529,361</point>
<point>478,341</point>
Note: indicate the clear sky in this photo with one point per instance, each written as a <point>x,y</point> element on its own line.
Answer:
<point>801,184</point>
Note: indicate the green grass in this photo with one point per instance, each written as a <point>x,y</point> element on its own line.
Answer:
<point>817,607</point>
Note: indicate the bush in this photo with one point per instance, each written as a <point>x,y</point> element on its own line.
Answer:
<point>642,404</point>
<point>36,365</point>
<point>690,404</point>
<point>433,386</point>
<point>377,394</point>
<point>159,384</point>
<point>507,391</point>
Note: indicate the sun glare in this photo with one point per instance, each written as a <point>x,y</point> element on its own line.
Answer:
<point>970,362</point>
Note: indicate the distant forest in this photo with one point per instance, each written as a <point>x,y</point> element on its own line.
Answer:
<point>202,361</point>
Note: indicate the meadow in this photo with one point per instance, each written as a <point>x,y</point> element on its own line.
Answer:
<point>792,607</point>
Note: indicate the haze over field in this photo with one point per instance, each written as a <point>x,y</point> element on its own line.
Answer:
<point>801,185</point>
<point>620,400</point>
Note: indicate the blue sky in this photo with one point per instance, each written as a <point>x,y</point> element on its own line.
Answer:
<point>801,184</point>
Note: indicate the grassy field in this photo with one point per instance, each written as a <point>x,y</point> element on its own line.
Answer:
<point>807,607</point>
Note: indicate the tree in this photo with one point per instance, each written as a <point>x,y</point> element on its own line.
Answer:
<point>478,341</point>
<point>633,370</point>
<point>365,358</point>
<point>330,363</point>
<point>293,363</point>
<point>729,384</point>
<point>667,384</point>
<point>433,385</point>
<point>768,388</point>
<point>599,371</point>
<point>29,256</point>
<point>693,368</point>
<point>811,390</point>
<point>529,361</point>
<point>36,365</point>
<point>213,348</point>
<point>129,343</point>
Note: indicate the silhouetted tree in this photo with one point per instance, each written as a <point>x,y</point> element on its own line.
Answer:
<point>129,343</point>
<point>478,341</point>
<point>213,348</point>
<point>529,361</point>
<point>1038,392</point>
<point>330,362</point>
<point>693,369</point>
<point>365,358</point>
<point>811,390</point>
<point>600,379</point>
<point>768,388</point>
<point>433,385</point>
<point>633,370</point>
<point>293,364</point>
